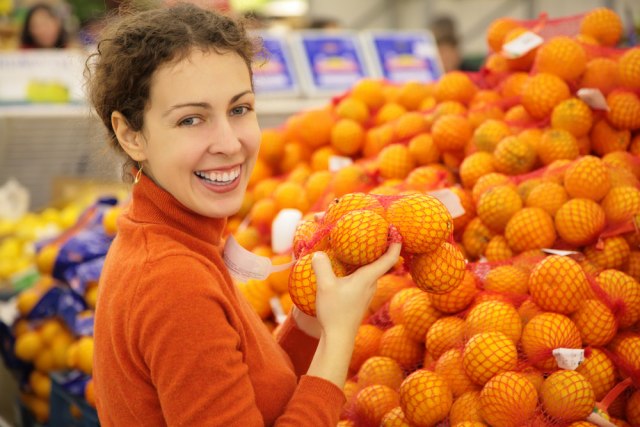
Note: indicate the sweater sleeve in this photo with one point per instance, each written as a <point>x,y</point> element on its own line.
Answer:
<point>193,354</point>
<point>298,345</point>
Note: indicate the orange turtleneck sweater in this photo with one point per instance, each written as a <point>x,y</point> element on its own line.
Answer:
<point>176,343</point>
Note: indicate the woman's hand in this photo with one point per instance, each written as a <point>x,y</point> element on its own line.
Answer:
<point>341,302</point>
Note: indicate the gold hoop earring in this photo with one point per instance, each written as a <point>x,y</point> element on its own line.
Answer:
<point>138,175</point>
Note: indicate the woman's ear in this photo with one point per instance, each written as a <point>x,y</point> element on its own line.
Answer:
<point>129,139</point>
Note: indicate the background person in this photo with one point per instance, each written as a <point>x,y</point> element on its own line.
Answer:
<point>43,28</point>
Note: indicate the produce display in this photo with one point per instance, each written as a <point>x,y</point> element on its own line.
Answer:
<point>516,194</point>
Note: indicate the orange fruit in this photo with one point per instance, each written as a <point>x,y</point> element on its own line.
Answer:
<point>633,408</point>
<point>632,268</point>
<point>259,294</point>
<point>567,396</point>
<point>302,283</point>
<point>466,408</point>
<point>498,249</point>
<point>376,139</point>
<point>305,239</point>
<point>579,221</point>
<point>600,371</point>
<point>528,310</point>
<point>507,279</point>
<point>351,202</point>
<point>394,418</point>
<point>387,286</point>
<point>315,126</point>
<point>417,409</point>
<point>272,146</point>
<point>352,108</point>
<point>459,298</point>
<point>397,344</point>
<point>497,205</point>
<point>518,117</point>
<point>623,291</point>
<point>423,150</point>
<point>347,137</point>
<point>549,196</point>
<point>289,194</point>
<point>316,186</point>
<point>460,222</point>
<point>483,111</point>
<point>418,314</point>
<point>445,108</point>
<point>444,334</point>
<point>514,156</point>
<point>422,221</point>
<point>374,401</point>
<point>409,125</point>
<point>412,94</point>
<point>629,69</point>
<point>525,61</point>
<point>513,84</point>
<point>488,181</point>
<point>546,332</point>
<point>474,166</point>
<point>426,178</point>
<point>494,316</point>
<point>542,93</point>
<point>530,228</point>
<point>508,400</point>
<point>487,135</point>
<point>588,178</point>
<point>451,132</point>
<point>606,139</point>
<point>449,366</point>
<point>439,271</point>
<point>294,154</point>
<point>359,237</point>
<point>487,354</point>
<point>263,212</point>
<point>476,237</point>
<point>388,113</point>
<point>455,86</point>
<point>561,56</point>
<point>367,344</point>
<point>370,92</point>
<point>497,31</point>
<point>350,179</point>
<point>596,323</point>
<point>248,237</point>
<point>624,110</point>
<point>572,115</point>
<point>601,74</point>
<point>397,302</point>
<point>602,24</point>
<point>395,161</point>
<point>379,370</point>
<point>611,252</point>
<point>558,284</point>
<point>557,144</point>
<point>625,347</point>
<point>261,171</point>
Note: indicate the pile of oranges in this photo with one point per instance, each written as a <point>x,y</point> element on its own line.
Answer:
<point>465,333</point>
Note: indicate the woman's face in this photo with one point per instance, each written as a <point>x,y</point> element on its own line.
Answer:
<point>44,28</point>
<point>201,134</point>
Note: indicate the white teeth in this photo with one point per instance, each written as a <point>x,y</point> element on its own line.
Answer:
<point>220,177</point>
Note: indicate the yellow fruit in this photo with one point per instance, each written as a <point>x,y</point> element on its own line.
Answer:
<point>487,354</point>
<point>487,136</point>
<point>508,400</point>
<point>422,221</point>
<point>354,109</point>
<point>417,409</point>
<point>567,396</point>
<point>474,166</point>
<point>497,205</point>
<point>574,116</point>
<point>109,220</point>
<point>84,356</point>
<point>546,332</point>
<point>514,155</point>
<point>27,299</point>
<point>46,258</point>
<point>389,112</point>
<point>28,346</point>
<point>440,271</point>
<point>40,384</point>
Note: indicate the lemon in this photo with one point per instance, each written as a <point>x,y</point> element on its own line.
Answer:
<point>46,258</point>
<point>26,300</point>
<point>40,383</point>
<point>28,346</point>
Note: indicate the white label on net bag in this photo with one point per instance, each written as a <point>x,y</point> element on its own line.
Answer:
<point>521,45</point>
<point>593,98</point>
<point>599,420</point>
<point>283,228</point>
<point>559,252</point>
<point>450,200</point>
<point>244,265</point>
<point>338,162</point>
<point>568,358</point>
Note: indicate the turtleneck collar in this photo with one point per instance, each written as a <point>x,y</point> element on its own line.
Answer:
<point>152,204</point>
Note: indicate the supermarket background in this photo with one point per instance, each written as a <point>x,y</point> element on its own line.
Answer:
<point>379,97</point>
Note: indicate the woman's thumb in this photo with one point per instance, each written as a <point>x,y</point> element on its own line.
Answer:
<point>322,265</point>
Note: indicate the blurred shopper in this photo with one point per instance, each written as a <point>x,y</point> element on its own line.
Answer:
<point>176,343</point>
<point>446,35</point>
<point>43,28</point>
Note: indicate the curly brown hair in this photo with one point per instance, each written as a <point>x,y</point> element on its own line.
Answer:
<point>132,48</point>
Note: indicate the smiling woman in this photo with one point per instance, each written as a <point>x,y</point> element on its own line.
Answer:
<point>175,342</point>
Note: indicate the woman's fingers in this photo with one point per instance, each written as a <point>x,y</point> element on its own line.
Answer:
<point>322,266</point>
<point>382,264</point>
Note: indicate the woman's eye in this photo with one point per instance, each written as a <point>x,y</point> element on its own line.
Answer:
<point>240,110</point>
<point>190,121</point>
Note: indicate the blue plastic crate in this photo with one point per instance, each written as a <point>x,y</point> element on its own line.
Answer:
<point>61,402</point>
